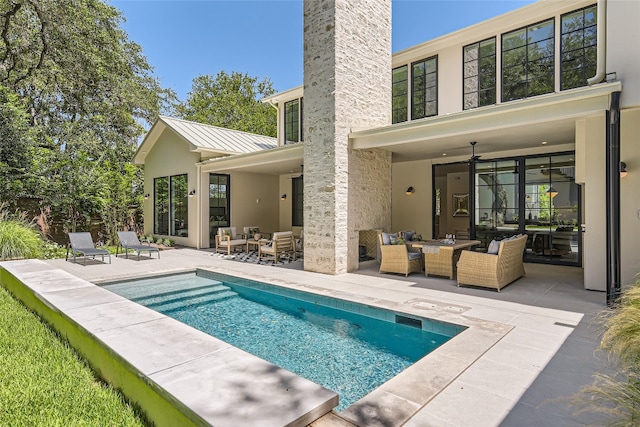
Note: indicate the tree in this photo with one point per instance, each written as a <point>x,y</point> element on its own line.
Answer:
<point>87,91</point>
<point>231,101</point>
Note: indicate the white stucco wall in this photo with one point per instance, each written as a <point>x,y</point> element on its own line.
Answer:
<point>412,212</point>
<point>623,42</point>
<point>630,196</point>
<point>169,156</point>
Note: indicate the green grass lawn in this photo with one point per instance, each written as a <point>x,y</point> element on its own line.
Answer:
<point>43,382</point>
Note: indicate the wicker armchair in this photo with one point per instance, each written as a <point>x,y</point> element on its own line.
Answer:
<point>439,261</point>
<point>493,271</point>
<point>398,259</point>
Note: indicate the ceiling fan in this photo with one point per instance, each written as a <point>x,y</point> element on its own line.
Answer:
<point>473,157</point>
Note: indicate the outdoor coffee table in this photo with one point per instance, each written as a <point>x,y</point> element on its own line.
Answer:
<point>440,258</point>
<point>253,244</point>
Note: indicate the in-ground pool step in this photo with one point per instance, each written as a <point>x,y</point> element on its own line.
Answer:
<point>192,300</point>
<point>178,294</point>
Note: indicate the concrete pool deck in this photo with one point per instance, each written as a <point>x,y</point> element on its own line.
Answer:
<point>479,378</point>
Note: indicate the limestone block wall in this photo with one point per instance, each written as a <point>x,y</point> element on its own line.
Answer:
<point>347,86</point>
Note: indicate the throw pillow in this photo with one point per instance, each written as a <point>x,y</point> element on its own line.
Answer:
<point>494,246</point>
<point>386,238</point>
<point>253,231</point>
<point>225,232</point>
<point>393,239</point>
<point>408,235</point>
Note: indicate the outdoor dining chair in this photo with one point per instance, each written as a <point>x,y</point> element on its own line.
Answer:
<point>82,243</point>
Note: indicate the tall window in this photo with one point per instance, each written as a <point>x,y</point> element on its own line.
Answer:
<point>528,61</point>
<point>479,74</point>
<point>297,207</point>
<point>219,203</point>
<point>578,46</point>
<point>293,121</point>
<point>178,206</point>
<point>171,210</point>
<point>399,92</point>
<point>161,205</point>
<point>424,88</point>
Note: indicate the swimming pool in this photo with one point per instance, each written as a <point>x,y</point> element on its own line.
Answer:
<point>347,347</point>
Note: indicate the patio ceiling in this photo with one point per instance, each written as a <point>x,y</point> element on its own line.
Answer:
<point>510,126</point>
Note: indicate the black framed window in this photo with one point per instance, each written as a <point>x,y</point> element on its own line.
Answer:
<point>528,61</point>
<point>219,203</point>
<point>479,65</point>
<point>578,47</point>
<point>161,205</point>
<point>171,207</point>
<point>424,88</point>
<point>293,121</point>
<point>400,92</point>
<point>297,207</point>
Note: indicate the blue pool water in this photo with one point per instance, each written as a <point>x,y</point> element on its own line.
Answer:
<point>346,347</point>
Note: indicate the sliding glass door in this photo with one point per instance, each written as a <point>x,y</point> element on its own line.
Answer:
<point>219,204</point>
<point>536,195</point>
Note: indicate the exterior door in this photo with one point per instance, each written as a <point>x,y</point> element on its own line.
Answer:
<point>219,204</point>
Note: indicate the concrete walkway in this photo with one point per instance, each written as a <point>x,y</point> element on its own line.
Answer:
<point>526,351</point>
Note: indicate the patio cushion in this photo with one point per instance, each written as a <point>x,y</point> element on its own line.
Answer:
<point>414,255</point>
<point>386,238</point>
<point>408,235</point>
<point>494,246</point>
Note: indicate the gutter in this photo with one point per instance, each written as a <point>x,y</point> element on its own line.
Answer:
<point>601,37</point>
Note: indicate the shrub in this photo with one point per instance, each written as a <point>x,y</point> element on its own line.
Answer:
<point>18,238</point>
<point>168,242</point>
<point>52,250</point>
<point>618,395</point>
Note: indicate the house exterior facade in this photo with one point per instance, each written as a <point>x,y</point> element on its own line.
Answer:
<point>549,94</point>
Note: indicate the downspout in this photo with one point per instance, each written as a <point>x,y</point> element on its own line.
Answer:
<point>613,201</point>
<point>601,37</point>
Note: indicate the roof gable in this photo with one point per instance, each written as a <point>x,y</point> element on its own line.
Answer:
<point>204,138</point>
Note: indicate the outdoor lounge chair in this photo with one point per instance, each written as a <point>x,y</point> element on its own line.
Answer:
<point>227,239</point>
<point>129,240</point>
<point>82,243</point>
<point>282,242</point>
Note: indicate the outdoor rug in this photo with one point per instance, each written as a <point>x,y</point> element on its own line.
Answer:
<point>252,257</point>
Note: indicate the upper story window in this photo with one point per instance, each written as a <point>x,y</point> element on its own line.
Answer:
<point>399,94</point>
<point>479,74</point>
<point>293,121</point>
<point>424,88</point>
<point>528,61</point>
<point>578,45</point>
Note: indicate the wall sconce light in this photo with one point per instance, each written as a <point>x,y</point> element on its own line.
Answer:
<point>623,169</point>
<point>409,191</point>
<point>257,201</point>
<point>192,193</point>
<point>552,192</point>
<point>146,196</point>
<point>283,197</point>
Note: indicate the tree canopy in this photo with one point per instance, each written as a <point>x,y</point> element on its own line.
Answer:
<point>231,101</point>
<point>75,95</point>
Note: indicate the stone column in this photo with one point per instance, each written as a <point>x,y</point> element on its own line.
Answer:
<point>347,86</point>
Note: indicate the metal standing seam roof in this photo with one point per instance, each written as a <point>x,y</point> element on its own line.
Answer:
<point>215,138</point>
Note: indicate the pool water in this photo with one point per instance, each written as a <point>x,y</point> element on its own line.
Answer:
<point>342,350</point>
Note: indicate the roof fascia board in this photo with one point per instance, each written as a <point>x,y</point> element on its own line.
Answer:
<point>274,155</point>
<point>287,95</point>
<point>574,103</point>
<point>149,141</point>
<point>504,23</point>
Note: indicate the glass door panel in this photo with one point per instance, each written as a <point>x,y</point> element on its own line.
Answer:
<point>219,192</point>
<point>497,208</point>
<point>552,210</point>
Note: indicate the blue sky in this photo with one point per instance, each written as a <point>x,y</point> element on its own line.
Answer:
<point>186,39</point>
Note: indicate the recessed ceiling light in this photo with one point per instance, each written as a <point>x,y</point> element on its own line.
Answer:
<point>444,154</point>
<point>544,142</point>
